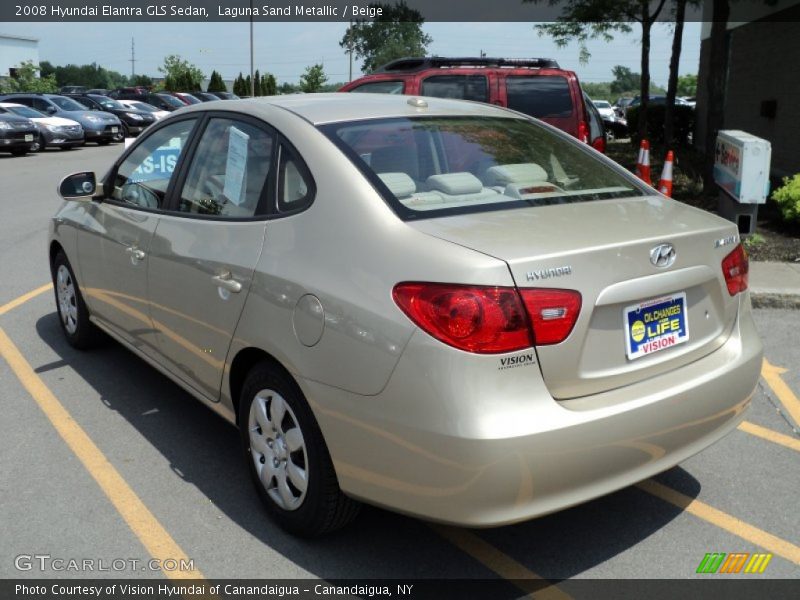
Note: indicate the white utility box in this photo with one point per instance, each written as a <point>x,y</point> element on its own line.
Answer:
<point>741,170</point>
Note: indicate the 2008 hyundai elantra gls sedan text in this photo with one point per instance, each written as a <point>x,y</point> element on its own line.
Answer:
<point>444,308</point>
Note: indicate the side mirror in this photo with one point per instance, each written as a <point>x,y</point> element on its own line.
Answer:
<point>78,186</point>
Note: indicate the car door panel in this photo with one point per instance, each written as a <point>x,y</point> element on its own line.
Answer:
<point>205,251</point>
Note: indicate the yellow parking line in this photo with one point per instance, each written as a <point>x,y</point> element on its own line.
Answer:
<point>772,375</point>
<point>737,527</point>
<point>501,563</point>
<point>771,436</point>
<point>142,522</point>
<point>24,298</point>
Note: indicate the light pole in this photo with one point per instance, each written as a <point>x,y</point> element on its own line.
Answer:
<point>252,75</point>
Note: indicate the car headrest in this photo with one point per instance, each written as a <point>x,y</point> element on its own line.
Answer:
<point>455,184</point>
<point>400,184</point>
<point>515,173</point>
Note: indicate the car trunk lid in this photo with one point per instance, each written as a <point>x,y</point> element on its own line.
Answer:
<point>603,250</point>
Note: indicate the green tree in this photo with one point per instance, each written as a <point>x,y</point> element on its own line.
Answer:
<point>143,80</point>
<point>238,85</point>
<point>625,80</point>
<point>26,80</point>
<point>396,33</point>
<point>313,79</point>
<point>269,86</point>
<point>180,75</point>
<point>288,88</point>
<point>581,20</point>
<point>687,85</point>
<point>215,83</point>
<point>248,86</point>
<point>257,84</point>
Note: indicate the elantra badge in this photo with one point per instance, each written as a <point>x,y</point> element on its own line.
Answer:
<point>662,256</point>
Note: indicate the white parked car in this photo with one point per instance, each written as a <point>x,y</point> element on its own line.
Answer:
<point>53,131</point>
<point>604,108</point>
<point>139,105</point>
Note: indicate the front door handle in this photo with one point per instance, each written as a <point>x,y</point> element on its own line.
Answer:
<point>135,253</point>
<point>226,281</point>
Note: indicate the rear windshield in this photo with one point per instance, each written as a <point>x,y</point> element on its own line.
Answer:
<point>434,166</point>
<point>539,96</point>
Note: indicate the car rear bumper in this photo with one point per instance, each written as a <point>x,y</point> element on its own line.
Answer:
<point>501,450</point>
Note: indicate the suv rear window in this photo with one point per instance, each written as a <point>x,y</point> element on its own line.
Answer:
<point>434,166</point>
<point>540,95</point>
<point>380,87</point>
<point>459,87</point>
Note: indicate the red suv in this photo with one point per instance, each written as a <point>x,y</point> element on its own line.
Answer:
<point>534,86</point>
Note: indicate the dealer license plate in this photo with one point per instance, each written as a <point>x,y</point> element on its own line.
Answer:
<point>655,325</point>
<point>28,137</point>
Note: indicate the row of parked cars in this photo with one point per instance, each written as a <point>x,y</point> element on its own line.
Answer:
<point>31,122</point>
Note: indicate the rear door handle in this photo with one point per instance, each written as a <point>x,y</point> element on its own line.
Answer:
<point>226,281</point>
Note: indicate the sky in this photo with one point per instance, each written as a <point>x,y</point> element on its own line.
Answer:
<point>286,49</point>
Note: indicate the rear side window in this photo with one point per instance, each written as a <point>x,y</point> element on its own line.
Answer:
<point>459,87</point>
<point>539,96</point>
<point>229,170</point>
<point>380,87</point>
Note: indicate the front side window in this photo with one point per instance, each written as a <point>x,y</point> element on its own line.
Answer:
<point>459,87</point>
<point>229,170</point>
<point>539,96</point>
<point>380,87</point>
<point>143,177</point>
<point>472,164</point>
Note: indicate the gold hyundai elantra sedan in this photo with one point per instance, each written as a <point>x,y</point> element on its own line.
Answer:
<point>444,308</point>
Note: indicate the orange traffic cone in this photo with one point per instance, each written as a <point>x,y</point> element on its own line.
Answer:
<point>665,184</point>
<point>639,159</point>
<point>644,163</point>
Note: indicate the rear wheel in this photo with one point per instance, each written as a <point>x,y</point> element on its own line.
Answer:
<point>287,456</point>
<point>73,315</point>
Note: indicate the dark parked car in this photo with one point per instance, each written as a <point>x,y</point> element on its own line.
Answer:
<point>133,121</point>
<point>205,96</point>
<point>98,126</point>
<point>187,98</point>
<point>160,100</point>
<point>225,95</point>
<point>52,131</point>
<point>17,134</point>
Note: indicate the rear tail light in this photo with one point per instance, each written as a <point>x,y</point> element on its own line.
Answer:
<point>599,144</point>
<point>553,313</point>
<point>583,132</point>
<point>735,268</point>
<point>484,320</point>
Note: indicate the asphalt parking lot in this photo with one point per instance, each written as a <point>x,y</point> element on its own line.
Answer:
<point>173,485</point>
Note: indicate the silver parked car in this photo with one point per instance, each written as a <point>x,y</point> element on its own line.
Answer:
<point>443,308</point>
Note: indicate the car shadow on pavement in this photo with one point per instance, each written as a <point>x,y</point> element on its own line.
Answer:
<point>204,450</point>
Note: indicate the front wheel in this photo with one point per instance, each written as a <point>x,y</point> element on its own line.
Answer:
<point>38,144</point>
<point>73,315</point>
<point>287,456</point>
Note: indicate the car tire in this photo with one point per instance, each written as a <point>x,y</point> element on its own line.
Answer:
<point>73,315</point>
<point>121,134</point>
<point>39,144</point>
<point>284,450</point>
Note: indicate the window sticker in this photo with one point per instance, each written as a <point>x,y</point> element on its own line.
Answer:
<point>236,166</point>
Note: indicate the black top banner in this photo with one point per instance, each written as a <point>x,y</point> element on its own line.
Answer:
<point>342,10</point>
